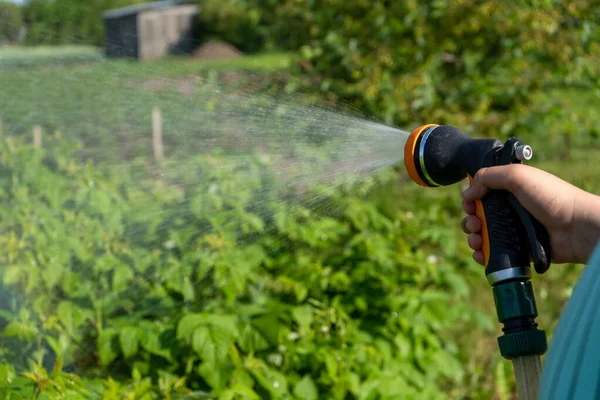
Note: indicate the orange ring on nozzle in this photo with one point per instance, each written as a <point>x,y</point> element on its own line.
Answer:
<point>409,154</point>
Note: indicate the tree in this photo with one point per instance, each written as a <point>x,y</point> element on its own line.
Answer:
<point>11,21</point>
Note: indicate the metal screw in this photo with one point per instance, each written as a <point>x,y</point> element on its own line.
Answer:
<point>524,152</point>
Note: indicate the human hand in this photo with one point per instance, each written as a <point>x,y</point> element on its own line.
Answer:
<point>571,216</point>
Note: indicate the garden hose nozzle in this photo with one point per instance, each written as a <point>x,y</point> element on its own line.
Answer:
<point>437,155</point>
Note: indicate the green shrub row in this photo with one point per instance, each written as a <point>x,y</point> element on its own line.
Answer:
<point>473,64</point>
<point>477,65</point>
<point>219,285</point>
<point>71,22</point>
<point>11,20</point>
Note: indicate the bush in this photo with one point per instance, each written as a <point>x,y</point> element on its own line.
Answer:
<point>11,21</point>
<point>56,22</point>
<point>238,22</point>
<point>223,284</point>
<point>472,64</point>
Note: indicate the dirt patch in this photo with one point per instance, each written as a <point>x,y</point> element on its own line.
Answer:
<point>155,84</point>
<point>217,51</point>
<point>186,85</point>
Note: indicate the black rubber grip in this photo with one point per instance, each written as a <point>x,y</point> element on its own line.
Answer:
<point>505,232</point>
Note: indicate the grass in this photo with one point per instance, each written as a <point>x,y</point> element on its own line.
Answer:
<point>107,104</point>
<point>254,62</point>
<point>18,57</point>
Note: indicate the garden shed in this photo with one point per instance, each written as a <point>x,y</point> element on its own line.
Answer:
<point>150,30</point>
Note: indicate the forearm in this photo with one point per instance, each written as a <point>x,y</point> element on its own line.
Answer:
<point>587,226</point>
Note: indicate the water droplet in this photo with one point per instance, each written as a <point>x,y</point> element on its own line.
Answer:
<point>186,279</point>
<point>432,259</point>
<point>275,384</point>
<point>394,314</point>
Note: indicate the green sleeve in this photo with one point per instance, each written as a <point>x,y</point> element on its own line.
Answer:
<point>572,366</point>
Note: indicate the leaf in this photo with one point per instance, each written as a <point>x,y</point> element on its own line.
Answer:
<point>252,340</point>
<point>58,365</point>
<point>22,330</point>
<point>52,274</point>
<point>332,366</point>
<point>129,340</point>
<point>7,373</point>
<point>244,392</point>
<point>106,346</point>
<point>227,324</point>
<point>268,325</point>
<point>213,375</point>
<point>188,290</point>
<point>188,324</point>
<point>12,274</point>
<point>304,317</point>
<point>211,344</point>
<point>151,343</point>
<point>122,275</point>
<point>368,389</point>
<point>353,383</point>
<point>70,315</point>
<point>306,389</point>
<point>403,344</point>
<point>271,380</point>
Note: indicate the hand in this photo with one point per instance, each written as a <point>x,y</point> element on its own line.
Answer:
<point>571,215</point>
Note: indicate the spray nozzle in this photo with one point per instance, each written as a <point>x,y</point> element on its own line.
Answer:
<point>437,155</point>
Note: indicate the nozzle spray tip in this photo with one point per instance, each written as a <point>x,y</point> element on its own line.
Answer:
<point>524,152</point>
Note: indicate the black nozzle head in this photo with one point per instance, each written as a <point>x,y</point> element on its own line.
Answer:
<point>440,155</point>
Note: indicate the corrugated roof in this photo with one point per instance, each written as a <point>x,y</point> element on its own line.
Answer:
<point>132,10</point>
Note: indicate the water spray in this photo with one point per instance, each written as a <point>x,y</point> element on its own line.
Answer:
<point>437,155</point>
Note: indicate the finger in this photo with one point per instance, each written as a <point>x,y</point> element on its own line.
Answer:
<point>475,241</point>
<point>472,224</point>
<point>478,256</point>
<point>498,177</point>
<point>469,207</point>
<point>463,225</point>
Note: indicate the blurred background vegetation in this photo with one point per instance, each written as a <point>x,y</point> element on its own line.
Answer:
<point>380,300</point>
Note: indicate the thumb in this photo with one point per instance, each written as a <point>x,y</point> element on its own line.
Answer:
<point>486,179</point>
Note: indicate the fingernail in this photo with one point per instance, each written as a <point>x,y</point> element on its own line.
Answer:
<point>466,192</point>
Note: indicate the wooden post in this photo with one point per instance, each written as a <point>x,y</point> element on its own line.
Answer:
<point>528,371</point>
<point>37,137</point>
<point>465,184</point>
<point>157,143</point>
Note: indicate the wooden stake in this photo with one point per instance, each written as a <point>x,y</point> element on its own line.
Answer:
<point>37,137</point>
<point>528,370</point>
<point>465,184</point>
<point>157,143</point>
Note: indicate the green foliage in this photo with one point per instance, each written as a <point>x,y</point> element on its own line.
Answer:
<point>238,22</point>
<point>11,21</point>
<point>212,289</point>
<point>315,306</point>
<point>52,22</point>
<point>474,64</point>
